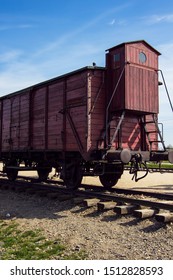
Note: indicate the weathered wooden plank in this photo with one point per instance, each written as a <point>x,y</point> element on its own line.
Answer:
<point>166,217</point>
<point>107,205</point>
<point>90,202</point>
<point>77,91</point>
<point>145,213</point>
<point>125,209</point>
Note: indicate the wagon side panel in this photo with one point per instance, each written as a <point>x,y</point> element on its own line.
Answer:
<point>23,134</point>
<point>6,117</point>
<point>115,63</point>
<point>38,118</point>
<point>15,123</point>
<point>141,92</point>
<point>132,135</point>
<point>75,112</point>
<point>129,134</point>
<point>55,117</point>
<point>96,110</point>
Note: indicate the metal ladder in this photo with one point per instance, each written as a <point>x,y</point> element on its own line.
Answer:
<point>155,130</point>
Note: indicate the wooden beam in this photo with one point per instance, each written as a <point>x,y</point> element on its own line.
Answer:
<point>145,213</point>
<point>107,205</point>
<point>125,209</point>
<point>166,217</point>
<point>90,202</point>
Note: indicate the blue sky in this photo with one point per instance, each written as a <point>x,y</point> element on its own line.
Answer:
<point>41,39</point>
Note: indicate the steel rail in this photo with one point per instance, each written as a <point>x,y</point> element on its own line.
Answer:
<point>167,205</point>
<point>133,201</point>
<point>154,169</point>
<point>51,185</point>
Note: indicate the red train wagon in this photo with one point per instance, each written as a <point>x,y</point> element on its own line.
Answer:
<point>53,123</point>
<point>89,122</point>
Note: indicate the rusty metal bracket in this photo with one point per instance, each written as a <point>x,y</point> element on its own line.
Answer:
<point>75,133</point>
<point>136,165</point>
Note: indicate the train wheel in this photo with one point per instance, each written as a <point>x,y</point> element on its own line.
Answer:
<point>12,174</point>
<point>73,176</point>
<point>43,173</point>
<point>108,180</point>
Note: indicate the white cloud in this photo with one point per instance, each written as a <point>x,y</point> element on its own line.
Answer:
<point>155,19</point>
<point>112,22</point>
<point>9,56</point>
<point>18,77</point>
<point>17,72</point>
<point>14,26</point>
<point>121,22</point>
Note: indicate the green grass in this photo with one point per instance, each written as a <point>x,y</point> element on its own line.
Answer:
<point>164,165</point>
<point>31,245</point>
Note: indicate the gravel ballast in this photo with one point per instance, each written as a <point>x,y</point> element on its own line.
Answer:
<point>103,235</point>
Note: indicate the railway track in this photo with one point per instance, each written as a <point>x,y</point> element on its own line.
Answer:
<point>153,169</point>
<point>142,204</point>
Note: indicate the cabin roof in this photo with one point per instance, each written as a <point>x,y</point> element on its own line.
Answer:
<point>135,42</point>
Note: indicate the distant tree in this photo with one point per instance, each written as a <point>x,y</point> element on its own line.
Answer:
<point>169,147</point>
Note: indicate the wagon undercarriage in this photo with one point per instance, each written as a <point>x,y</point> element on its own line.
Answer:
<point>71,168</point>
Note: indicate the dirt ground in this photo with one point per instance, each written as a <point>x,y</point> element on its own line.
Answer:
<point>153,181</point>
<point>103,235</point>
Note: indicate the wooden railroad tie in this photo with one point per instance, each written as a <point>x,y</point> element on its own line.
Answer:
<point>90,202</point>
<point>145,213</point>
<point>166,217</point>
<point>107,205</point>
<point>125,209</point>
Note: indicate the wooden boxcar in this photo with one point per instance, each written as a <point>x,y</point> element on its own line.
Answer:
<point>88,122</point>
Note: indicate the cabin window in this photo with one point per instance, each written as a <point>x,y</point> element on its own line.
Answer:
<point>117,57</point>
<point>142,57</point>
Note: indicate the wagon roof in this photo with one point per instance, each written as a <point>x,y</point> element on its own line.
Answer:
<point>135,42</point>
<point>54,79</point>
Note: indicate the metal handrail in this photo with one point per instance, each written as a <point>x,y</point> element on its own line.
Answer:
<point>110,101</point>
<point>170,102</point>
